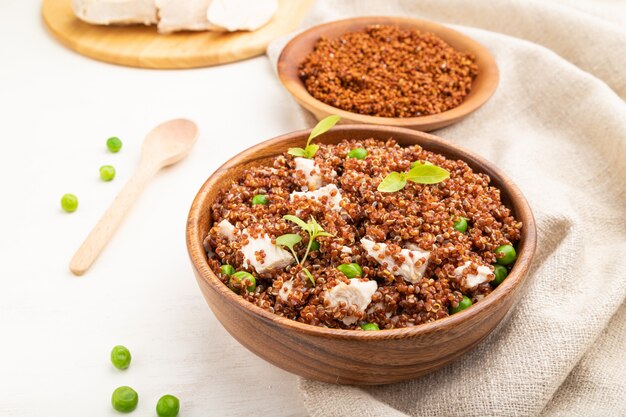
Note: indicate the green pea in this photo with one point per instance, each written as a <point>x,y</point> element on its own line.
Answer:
<point>69,203</point>
<point>505,255</point>
<point>358,153</point>
<point>124,399</point>
<point>463,304</point>
<point>227,269</point>
<point>370,326</point>
<point>315,245</point>
<point>260,199</point>
<point>350,270</point>
<point>240,276</point>
<point>461,225</point>
<point>500,273</point>
<point>114,144</point>
<point>168,406</point>
<point>107,172</point>
<point>120,357</point>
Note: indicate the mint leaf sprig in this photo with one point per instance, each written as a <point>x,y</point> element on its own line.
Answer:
<point>322,127</point>
<point>289,240</point>
<point>420,173</point>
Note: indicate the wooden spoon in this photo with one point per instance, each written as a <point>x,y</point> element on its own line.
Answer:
<point>165,145</point>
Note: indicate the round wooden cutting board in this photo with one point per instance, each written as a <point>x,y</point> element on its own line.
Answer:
<point>142,46</point>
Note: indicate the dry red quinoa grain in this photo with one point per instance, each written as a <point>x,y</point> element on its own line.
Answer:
<point>421,215</point>
<point>389,72</point>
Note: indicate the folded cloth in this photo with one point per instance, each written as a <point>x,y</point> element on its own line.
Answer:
<point>557,127</point>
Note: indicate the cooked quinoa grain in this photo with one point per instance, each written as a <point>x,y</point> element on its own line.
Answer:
<point>415,267</point>
<point>389,72</point>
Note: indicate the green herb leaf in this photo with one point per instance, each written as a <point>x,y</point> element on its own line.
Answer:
<point>351,270</point>
<point>323,126</point>
<point>393,182</point>
<point>296,151</point>
<point>314,230</point>
<point>296,220</point>
<point>427,174</point>
<point>309,275</point>
<point>310,151</point>
<point>315,226</point>
<point>419,162</point>
<point>289,240</point>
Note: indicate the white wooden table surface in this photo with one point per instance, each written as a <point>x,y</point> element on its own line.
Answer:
<point>57,109</point>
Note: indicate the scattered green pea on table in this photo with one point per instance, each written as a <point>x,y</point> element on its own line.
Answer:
<point>120,357</point>
<point>107,172</point>
<point>114,144</point>
<point>124,399</point>
<point>168,406</point>
<point>69,203</point>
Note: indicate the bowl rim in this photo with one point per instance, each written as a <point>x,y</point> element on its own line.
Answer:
<point>513,281</point>
<point>296,87</point>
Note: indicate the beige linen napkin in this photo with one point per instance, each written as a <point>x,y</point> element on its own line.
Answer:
<point>557,126</point>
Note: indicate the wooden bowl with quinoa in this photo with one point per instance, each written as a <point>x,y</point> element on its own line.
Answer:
<point>424,332</point>
<point>388,71</point>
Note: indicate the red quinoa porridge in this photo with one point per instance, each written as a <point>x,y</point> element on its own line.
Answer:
<point>387,71</point>
<point>416,263</point>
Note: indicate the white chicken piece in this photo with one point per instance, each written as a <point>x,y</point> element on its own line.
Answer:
<point>326,191</point>
<point>472,280</point>
<point>176,15</point>
<point>407,269</point>
<point>307,166</point>
<point>121,12</point>
<point>226,229</point>
<point>284,291</point>
<point>233,15</point>
<point>358,293</point>
<point>275,257</point>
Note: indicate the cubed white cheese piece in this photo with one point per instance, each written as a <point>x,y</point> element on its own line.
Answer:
<point>358,293</point>
<point>284,291</point>
<point>346,249</point>
<point>275,257</point>
<point>175,15</point>
<point>472,280</point>
<point>107,12</point>
<point>330,191</point>
<point>312,175</point>
<point>407,269</point>
<point>226,229</point>
<point>233,15</point>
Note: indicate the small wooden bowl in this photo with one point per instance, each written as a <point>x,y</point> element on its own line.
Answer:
<point>349,356</point>
<point>300,46</point>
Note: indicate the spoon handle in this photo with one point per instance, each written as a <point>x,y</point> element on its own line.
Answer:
<point>110,220</point>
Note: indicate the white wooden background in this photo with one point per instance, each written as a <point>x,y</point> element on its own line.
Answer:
<point>57,109</point>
